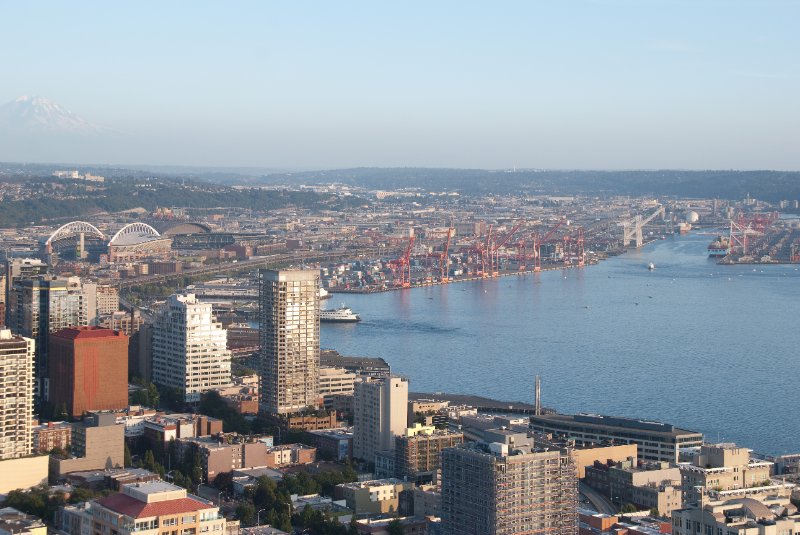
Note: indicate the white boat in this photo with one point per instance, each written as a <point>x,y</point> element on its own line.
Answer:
<point>651,267</point>
<point>339,315</point>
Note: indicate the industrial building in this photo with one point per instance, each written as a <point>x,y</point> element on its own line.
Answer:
<point>656,441</point>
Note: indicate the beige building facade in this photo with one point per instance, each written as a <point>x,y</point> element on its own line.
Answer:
<point>16,405</point>
<point>289,308</point>
<point>380,413</point>
<point>379,496</point>
<point>721,467</point>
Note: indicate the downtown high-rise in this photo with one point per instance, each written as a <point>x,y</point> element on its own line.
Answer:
<point>508,485</point>
<point>16,403</point>
<point>289,334</point>
<point>40,306</point>
<point>189,348</point>
<point>380,413</point>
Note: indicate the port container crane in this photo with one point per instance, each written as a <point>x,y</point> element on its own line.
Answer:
<point>444,259</point>
<point>540,240</point>
<point>493,250</point>
<point>632,228</point>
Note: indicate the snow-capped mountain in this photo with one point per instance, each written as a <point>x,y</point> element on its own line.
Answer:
<point>40,115</point>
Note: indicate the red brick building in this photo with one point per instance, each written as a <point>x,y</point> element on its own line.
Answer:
<point>88,369</point>
<point>51,435</point>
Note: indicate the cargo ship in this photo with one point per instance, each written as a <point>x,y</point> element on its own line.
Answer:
<point>719,247</point>
<point>339,315</point>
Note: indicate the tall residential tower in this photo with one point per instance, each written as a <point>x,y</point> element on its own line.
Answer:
<point>16,404</point>
<point>40,306</point>
<point>289,334</point>
<point>189,348</point>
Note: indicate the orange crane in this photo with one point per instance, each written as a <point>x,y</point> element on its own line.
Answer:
<point>494,262</point>
<point>537,265</point>
<point>486,250</point>
<point>405,264</point>
<point>576,252</point>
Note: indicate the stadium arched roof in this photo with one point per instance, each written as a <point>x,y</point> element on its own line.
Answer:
<point>73,228</point>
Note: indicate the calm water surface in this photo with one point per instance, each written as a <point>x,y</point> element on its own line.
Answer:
<point>710,348</point>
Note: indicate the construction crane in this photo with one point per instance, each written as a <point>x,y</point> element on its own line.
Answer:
<point>537,262</point>
<point>632,229</point>
<point>444,259</point>
<point>485,250</point>
<point>578,253</point>
<point>493,251</point>
<point>403,264</point>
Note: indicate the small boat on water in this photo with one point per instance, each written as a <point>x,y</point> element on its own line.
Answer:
<point>651,266</point>
<point>342,314</point>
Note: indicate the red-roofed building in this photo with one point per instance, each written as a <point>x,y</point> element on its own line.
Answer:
<point>88,369</point>
<point>152,508</point>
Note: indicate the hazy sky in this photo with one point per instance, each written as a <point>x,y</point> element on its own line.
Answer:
<point>559,84</point>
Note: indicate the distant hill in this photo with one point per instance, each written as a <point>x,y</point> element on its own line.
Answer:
<point>767,185</point>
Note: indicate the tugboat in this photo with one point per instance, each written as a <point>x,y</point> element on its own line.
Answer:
<point>339,315</point>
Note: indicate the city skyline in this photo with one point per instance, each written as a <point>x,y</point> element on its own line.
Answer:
<point>595,84</point>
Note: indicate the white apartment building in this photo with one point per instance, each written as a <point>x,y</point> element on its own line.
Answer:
<point>16,405</point>
<point>380,412</point>
<point>190,347</point>
<point>289,334</point>
<point>107,299</point>
<point>334,381</point>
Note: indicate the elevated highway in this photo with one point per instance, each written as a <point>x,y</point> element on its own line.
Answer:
<point>275,261</point>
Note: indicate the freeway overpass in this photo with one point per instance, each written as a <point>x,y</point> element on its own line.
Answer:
<point>275,261</point>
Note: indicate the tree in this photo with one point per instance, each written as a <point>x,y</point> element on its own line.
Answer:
<point>60,412</point>
<point>127,457</point>
<point>153,396</point>
<point>654,512</point>
<point>628,508</point>
<point>285,522</point>
<point>246,513</point>
<point>224,481</point>
<point>149,461</point>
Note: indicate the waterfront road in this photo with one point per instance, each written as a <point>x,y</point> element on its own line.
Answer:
<point>598,501</point>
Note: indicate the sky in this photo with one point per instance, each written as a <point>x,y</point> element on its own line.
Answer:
<point>563,84</point>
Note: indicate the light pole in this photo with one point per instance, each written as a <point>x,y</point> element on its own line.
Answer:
<point>258,517</point>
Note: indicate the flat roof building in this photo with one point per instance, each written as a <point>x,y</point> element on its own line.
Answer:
<point>656,441</point>
<point>289,333</point>
<point>91,364</point>
<point>507,486</point>
<point>380,412</point>
<point>16,382</point>
<point>189,348</point>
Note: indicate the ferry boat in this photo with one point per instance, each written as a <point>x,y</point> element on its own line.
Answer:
<point>339,315</point>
